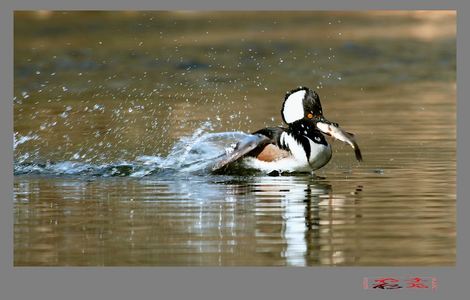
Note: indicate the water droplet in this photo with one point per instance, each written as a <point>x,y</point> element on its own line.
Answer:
<point>379,171</point>
<point>98,107</point>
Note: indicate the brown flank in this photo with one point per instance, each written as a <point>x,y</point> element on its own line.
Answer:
<point>272,153</point>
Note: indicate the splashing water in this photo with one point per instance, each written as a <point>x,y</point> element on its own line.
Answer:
<point>196,153</point>
<point>18,139</point>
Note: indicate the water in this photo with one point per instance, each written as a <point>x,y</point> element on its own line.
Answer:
<point>115,132</point>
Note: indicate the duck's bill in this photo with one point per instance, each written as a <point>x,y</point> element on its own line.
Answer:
<point>336,132</point>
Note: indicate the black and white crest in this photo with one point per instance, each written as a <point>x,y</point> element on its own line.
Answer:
<point>298,103</point>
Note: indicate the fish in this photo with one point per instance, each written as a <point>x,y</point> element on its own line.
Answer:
<point>339,134</point>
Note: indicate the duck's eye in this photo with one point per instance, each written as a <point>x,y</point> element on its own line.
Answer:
<point>309,116</point>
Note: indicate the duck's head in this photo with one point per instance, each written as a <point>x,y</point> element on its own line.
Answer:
<point>303,105</point>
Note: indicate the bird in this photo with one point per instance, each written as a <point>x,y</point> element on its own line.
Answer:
<point>299,147</point>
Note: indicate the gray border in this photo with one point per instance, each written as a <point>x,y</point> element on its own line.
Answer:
<point>217,283</point>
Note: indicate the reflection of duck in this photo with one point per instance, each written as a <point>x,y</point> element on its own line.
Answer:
<point>257,220</point>
<point>300,194</point>
<point>301,147</point>
<point>313,218</point>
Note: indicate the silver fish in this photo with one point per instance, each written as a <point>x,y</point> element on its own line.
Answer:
<point>341,135</point>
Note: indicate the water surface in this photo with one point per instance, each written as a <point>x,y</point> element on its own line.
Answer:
<point>108,106</point>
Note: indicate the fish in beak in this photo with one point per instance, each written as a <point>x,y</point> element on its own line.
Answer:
<point>333,129</point>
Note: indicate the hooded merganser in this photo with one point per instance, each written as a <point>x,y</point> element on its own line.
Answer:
<point>300,147</point>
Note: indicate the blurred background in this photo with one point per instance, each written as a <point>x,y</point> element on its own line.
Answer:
<point>96,88</point>
<point>108,85</point>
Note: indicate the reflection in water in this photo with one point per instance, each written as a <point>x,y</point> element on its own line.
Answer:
<point>221,221</point>
<point>296,197</point>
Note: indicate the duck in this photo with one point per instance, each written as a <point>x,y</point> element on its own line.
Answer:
<point>301,146</point>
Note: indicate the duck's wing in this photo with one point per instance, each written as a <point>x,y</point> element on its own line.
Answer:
<point>242,148</point>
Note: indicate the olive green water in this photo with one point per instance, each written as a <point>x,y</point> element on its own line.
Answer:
<point>106,88</point>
